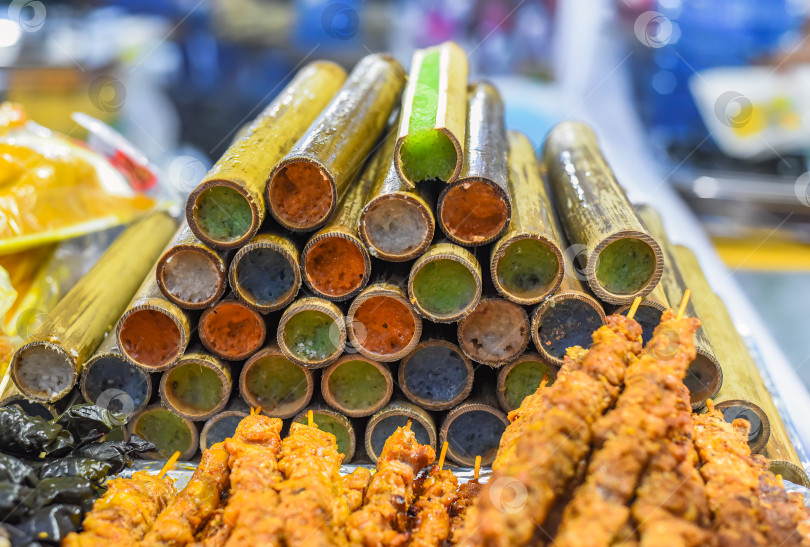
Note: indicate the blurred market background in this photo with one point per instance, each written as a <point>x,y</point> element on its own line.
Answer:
<point>711,95</point>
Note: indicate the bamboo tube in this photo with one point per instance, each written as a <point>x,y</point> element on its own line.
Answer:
<point>306,186</point>
<point>223,425</point>
<point>227,207</point>
<point>743,393</point>
<point>521,378</point>
<point>495,332</point>
<point>335,423</point>
<point>197,387</point>
<point>230,330</point>
<point>434,111</point>
<point>265,274</point>
<point>397,222</point>
<point>445,283</point>
<point>620,258</point>
<point>152,333</point>
<point>475,209</point>
<point>474,428</point>
<point>12,396</point>
<point>527,262</point>
<point>396,414</point>
<point>704,377</point>
<point>357,386</point>
<point>192,274</point>
<point>47,366</point>
<point>436,375</point>
<point>648,314</point>
<point>271,381</point>
<point>336,262</point>
<point>108,380</point>
<point>312,333</point>
<point>168,431</point>
<point>382,324</point>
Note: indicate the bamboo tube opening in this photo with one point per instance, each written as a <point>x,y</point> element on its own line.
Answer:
<point>151,337</point>
<point>397,227</point>
<point>789,471</point>
<point>44,370</point>
<point>704,378</point>
<point>270,380</point>
<point>527,268</point>
<point>32,408</point>
<point>357,386</point>
<point>197,387</point>
<point>436,375</point>
<point>474,211</point>
<point>110,381</point>
<point>382,324</point>
<point>754,415</point>
<point>335,423</point>
<point>521,378</point>
<point>231,330</point>
<point>265,273</point>
<point>301,194</point>
<point>312,333</point>
<point>473,429</point>
<point>563,321</point>
<point>169,432</point>
<point>220,427</point>
<point>428,154</point>
<point>495,332</point>
<point>445,285</point>
<point>191,277</point>
<point>336,265</point>
<point>223,214</point>
<point>397,414</point>
<point>648,316</point>
<point>625,265</point>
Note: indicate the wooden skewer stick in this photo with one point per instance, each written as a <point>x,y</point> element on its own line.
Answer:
<point>442,455</point>
<point>169,464</point>
<point>477,470</point>
<point>408,424</point>
<point>687,293</point>
<point>310,418</point>
<point>543,383</point>
<point>634,307</point>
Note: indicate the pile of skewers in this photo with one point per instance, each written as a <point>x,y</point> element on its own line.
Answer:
<point>610,454</point>
<point>310,273</point>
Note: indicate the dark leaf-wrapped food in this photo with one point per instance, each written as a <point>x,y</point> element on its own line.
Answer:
<point>31,435</point>
<point>85,468</point>
<point>49,525</point>
<point>11,501</point>
<point>88,423</point>
<point>70,490</point>
<point>118,454</point>
<point>16,471</point>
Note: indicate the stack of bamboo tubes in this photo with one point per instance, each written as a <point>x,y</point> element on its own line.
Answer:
<point>309,273</point>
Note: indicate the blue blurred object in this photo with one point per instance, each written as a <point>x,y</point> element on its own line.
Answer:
<point>700,34</point>
<point>328,24</point>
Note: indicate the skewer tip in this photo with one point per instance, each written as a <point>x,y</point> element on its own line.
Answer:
<point>634,307</point>
<point>477,471</point>
<point>442,455</point>
<point>684,301</point>
<point>169,464</point>
<point>543,383</point>
<point>310,418</point>
<point>408,424</point>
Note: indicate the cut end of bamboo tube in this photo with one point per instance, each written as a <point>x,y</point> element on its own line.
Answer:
<point>44,371</point>
<point>231,330</point>
<point>191,276</point>
<point>335,423</point>
<point>473,429</point>
<point>301,194</point>
<point>265,274</point>
<point>220,427</point>
<point>704,378</point>
<point>477,469</point>
<point>634,308</point>
<point>198,387</point>
<point>436,375</point>
<point>442,455</point>
<point>474,211</point>
<point>395,415</point>
<point>565,320</point>
<point>357,386</point>
<point>153,335</point>
<point>336,265</point>
<point>167,431</point>
<point>108,380</point>
<point>682,308</point>
<point>170,463</point>
<point>495,332</point>
<point>397,227</point>
<point>382,323</point>
<point>223,214</point>
<point>271,381</point>
<point>526,268</point>
<point>752,413</point>
<point>312,333</point>
<point>521,378</point>
<point>606,268</point>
